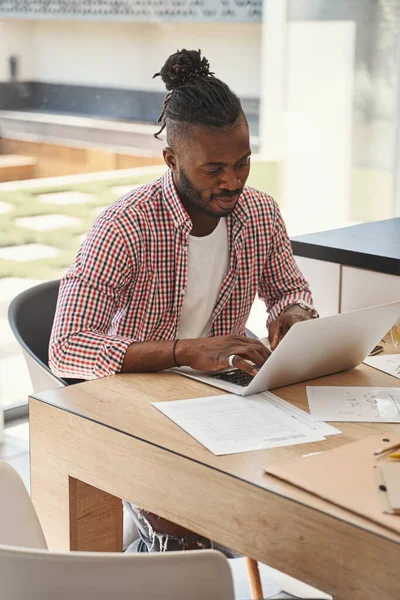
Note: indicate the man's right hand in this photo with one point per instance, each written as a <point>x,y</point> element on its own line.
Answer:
<point>212,354</point>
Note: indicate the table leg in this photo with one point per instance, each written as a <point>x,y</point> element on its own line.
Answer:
<point>253,576</point>
<point>74,515</point>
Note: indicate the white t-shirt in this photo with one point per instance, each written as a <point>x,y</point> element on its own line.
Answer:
<point>208,263</point>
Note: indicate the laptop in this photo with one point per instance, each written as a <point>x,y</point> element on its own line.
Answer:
<point>310,349</point>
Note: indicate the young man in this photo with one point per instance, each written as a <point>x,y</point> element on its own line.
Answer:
<point>168,274</point>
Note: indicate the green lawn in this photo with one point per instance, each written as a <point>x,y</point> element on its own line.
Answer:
<point>67,240</point>
<point>265,177</point>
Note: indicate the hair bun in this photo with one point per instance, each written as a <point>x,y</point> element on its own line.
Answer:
<point>182,66</point>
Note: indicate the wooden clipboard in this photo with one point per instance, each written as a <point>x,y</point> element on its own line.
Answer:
<point>344,476</point>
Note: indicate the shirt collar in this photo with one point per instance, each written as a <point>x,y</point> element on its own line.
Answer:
<point>178,212</point>
<point>173,202</point>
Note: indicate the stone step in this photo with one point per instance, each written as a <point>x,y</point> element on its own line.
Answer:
<point>14,167</point>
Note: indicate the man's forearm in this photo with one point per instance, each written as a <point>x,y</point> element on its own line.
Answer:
<point>202,354</point>
<point>142,357</point>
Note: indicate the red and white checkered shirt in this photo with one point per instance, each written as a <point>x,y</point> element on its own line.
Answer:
<point>128,281</point>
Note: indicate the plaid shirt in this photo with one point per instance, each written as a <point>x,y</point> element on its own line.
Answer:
<point>128,281</point>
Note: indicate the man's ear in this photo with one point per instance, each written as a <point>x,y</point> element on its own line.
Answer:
<point>170,158</point>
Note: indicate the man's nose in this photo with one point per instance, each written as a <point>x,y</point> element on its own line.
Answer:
<point>229,181</point>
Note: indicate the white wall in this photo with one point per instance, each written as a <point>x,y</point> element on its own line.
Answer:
<point>126,55</point>
<point>16,38</point>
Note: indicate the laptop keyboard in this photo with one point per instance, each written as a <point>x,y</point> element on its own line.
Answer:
<point>236,376</point>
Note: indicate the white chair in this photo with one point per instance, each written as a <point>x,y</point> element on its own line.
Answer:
<point>31,315</point>
<point>19,524</point>
<point>34,573</point>
<point>37,574</point>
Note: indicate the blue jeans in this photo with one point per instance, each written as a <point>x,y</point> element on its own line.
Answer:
<point>153,541</point>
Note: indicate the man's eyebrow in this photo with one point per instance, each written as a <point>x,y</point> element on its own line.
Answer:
<point>222,164</point>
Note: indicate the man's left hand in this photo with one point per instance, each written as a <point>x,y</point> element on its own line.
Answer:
<point>280,326</point>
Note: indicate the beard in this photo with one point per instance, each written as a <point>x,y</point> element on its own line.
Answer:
<point>194,197</point>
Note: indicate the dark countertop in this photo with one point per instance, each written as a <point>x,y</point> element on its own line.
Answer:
<point>374,246</point>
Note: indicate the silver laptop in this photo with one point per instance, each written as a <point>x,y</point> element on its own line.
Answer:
<point>310,349</point>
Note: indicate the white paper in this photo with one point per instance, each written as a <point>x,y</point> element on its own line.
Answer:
<point>317,426</point>
<point>364,404</point>
<point>228,424</point>
<point>389,363</point>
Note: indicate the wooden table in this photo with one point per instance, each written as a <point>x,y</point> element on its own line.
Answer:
<point>99,441</point>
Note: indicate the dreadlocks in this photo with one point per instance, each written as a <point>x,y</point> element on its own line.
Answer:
<point>194,94</point>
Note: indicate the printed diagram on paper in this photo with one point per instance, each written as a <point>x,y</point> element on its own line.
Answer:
<point>354,404</point>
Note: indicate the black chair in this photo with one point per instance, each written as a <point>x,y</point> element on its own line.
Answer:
<point>31,316</point>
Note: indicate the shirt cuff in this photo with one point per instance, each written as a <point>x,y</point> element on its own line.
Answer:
<point>285,303</point>
<point>111,357</point>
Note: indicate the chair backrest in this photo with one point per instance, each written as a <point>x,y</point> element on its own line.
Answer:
<point>19,524</point>
<point>34,575</point>
<point>29,572</point>
<point>31,316</point>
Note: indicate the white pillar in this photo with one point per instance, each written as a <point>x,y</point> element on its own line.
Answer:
<point>273,79</point>
<point>318,159</point>
<point>306,109</point>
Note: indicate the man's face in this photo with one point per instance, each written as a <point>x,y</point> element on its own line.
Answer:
<point>211,166</point>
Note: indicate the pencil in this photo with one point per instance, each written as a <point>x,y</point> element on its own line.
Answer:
<point>388,449</point>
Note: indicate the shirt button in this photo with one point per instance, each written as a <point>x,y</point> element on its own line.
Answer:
<point>183,291</point>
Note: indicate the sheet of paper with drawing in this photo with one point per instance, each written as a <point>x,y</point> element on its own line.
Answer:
<point>389,363</point>
<point>228,424</point>
<point>381,405</point>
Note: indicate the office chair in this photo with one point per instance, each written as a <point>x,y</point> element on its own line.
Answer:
<point>28,571</point>
<point>31,316</point>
